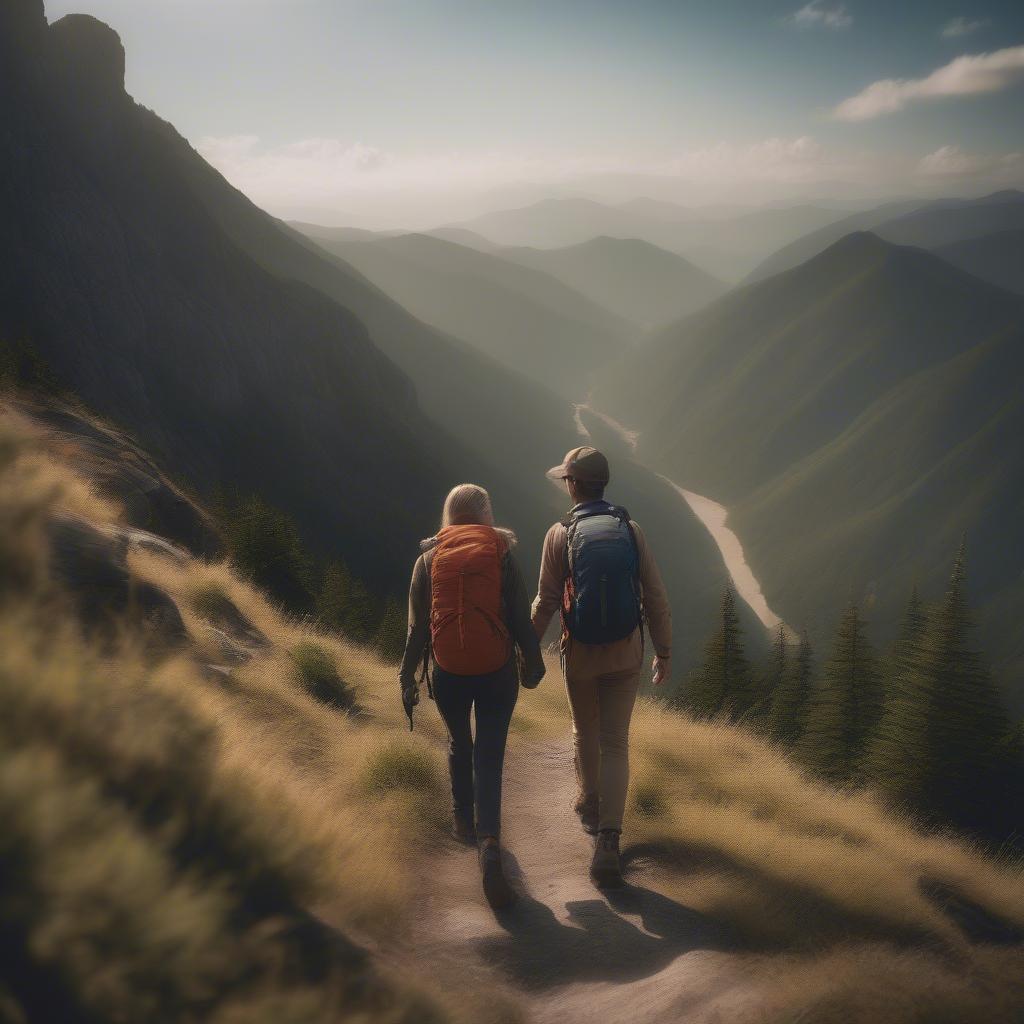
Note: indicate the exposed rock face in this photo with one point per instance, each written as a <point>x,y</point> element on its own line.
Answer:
<point>119,469</point>
<point>89,55</point>
<point>234,378</point>
<point>22,23</point>
<point>91,566</point>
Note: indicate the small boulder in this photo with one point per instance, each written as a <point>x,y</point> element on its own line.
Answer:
<point>91,567</point>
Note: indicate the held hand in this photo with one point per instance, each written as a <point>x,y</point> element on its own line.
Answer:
<point>660,670</point>
<point>410,698</point>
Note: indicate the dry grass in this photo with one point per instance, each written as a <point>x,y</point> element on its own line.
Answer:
<point>820,890</point>
<point>725,796</point>
<point>166,821</point>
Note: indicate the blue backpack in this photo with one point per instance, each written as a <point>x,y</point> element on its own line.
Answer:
<point>602,592</point>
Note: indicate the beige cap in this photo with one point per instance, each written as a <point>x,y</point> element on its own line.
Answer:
<point>586,464</point>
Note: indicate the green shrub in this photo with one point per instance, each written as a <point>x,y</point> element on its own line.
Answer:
<point>212,603</point>
<point>318,673</point>
<point>402,766</point>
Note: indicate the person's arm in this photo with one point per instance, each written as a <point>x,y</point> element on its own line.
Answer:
<point>419,624</point>
<point>657,611</point>
<point>552,580</point>
<point>517,607</point>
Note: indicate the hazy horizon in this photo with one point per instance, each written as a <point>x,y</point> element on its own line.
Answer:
<point>402,114</point>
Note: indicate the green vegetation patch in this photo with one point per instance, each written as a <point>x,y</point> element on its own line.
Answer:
<point>211,602</point>
<point>402,766</point>
<point>317,671</point>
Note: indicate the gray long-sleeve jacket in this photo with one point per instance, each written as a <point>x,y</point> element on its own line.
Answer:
<point>516,605</point>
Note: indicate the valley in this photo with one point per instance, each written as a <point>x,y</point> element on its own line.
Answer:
<point>226,429</point>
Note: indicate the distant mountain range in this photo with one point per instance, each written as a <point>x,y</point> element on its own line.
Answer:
<point>727,246</point>
<point>636,279</point>
<point>244,355</point>
<point>997,258</point>
<point>857,414</point>
<point>928,225</point>
<point>524,318</point>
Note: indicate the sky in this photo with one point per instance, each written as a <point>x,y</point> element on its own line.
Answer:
<point>388,113</point>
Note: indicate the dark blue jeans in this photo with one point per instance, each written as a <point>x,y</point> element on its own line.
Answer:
<point>476,766</point>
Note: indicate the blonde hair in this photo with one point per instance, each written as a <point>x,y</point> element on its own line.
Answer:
<point>467,504</point>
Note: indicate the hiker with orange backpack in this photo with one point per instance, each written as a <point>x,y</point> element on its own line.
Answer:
<point>468,613</point>
<point>599,571</point>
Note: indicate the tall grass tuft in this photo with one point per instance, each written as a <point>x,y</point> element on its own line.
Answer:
<point>317,671</point>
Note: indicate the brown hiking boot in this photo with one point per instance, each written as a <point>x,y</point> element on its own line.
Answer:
<point>587,807</point>
<point>606,867</point>
<point>499,893</point>
<point>463,829</point>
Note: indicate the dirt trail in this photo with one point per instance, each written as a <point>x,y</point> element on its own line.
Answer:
<point>568,952</point>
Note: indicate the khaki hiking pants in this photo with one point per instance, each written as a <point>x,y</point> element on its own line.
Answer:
<point>602,683</point>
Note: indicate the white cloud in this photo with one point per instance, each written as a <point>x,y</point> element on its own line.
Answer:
<point>956,28</point>
<point>965,76</point>
<point>353,182</point>
<point>774,159</point>
<point>953,162</point>
<point>320,170</point>
<point>819,14</point>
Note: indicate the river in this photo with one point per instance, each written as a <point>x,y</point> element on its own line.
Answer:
<point>711,514</point>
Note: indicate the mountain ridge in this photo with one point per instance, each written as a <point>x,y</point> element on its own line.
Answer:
<point>758,401</point>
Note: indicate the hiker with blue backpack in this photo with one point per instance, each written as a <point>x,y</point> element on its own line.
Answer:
<point>597,569</point>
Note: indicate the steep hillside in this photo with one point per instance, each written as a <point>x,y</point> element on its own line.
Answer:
<point>144,307</point>
<point>885,503</point>
<point>849,414</point>
<point>196,825</point>
<point>637,280</point>
<point>996,258</point>
<point>523,318</point>
<point>212,823</point>
<point>737,393</point>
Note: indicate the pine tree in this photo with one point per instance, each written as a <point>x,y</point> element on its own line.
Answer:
<point>266,546</point>
<point>769,681</point>
<point>344,604</point>
<point>389,639</point>
<point>959,773</point>
<point>724,677</point>
<point>789,700</point>
<point>844,707</point>
<point>898,743</point>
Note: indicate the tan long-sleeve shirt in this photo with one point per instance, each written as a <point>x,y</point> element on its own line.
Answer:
<point>554,568</point>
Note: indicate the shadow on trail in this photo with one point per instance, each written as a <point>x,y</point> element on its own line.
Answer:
<point>599,944</point>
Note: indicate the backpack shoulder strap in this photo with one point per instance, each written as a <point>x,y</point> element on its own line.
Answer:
<point>624,515</point>
<point>428,559</point>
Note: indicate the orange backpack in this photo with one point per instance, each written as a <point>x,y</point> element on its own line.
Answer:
<point>467,631</point>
